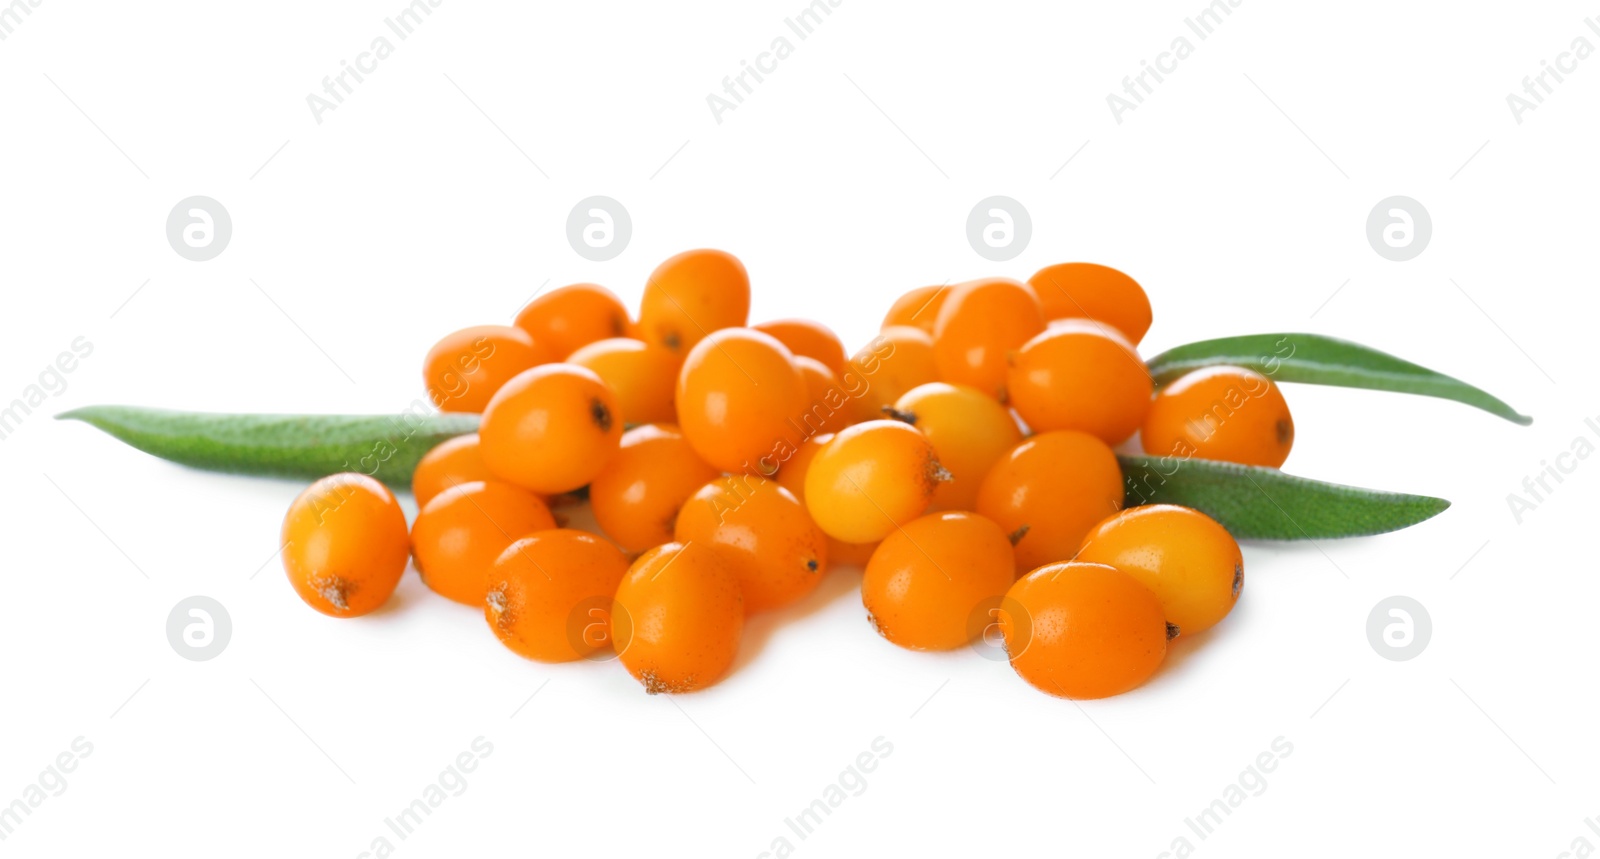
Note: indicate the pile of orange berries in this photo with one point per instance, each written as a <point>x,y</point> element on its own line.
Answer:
<point>964,458</point>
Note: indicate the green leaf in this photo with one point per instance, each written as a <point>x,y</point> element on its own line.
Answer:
<point>1256,503</point>
<point>303,446</point>
<point>1318,360</point>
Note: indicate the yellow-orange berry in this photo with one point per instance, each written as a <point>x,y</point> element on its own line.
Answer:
<point>539,586</point>
<point>1080,375</point>
<point>807,339</point>
<point>465,368</point>
<point>1084,290</point>
<point>642,377</point>
<point>569,317</point>
<point>870,479</point>
<point>897,360</point>
<point>762,532</point>
<point>637,496</point>
<point>1189,561</point>
<point>345,545</point>
<point>1078,630</point>
<point>918,307</point>
<point>677,618</point>
<point>461,532</point>
<point>981,323</point>
<point>1232,414</point>
<point>969,429</point>
<point>550,429</point>
<point>924,581</point>
<point>691,295</point>
<point>741,400</point>
<point>450,462</point>
<point>1048,491</point>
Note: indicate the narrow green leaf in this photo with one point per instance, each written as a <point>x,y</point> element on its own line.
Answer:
<point>303,446</point>
<point>1256,503</point>
<point>1318,360</point>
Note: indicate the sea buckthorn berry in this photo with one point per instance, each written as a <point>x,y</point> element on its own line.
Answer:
<point>1084,290</point>
<point>741,401</point>
<point>763,533</point>
<point>918,308</point>
<point>463,370</point>
<point>981,323</point>
<point>540,581</point>
<point>871,479</point>
<point>464,529</point>
<point>677,618</point>
<point>345,545</point>
<point>637,497</point>
<point>570,317</point>
<point>792,476</point>
<point>969,429</point>
<point>807,339</point>
<point>551,429</point>
<point>828,407</point>
<point>1080,375</point>
<point>924,581</point>
<point>692,295</point>
<point>640,376</point>
<point>1048,491</point>
<point>450,462</point>
<point>1232,414</point>
<point>1189,561</point>
<point>1078,630</point>
<point>897,360</point>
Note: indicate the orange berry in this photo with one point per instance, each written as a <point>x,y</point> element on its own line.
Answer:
<point>551,429</point>
<point>640,376</point>
<point>969,430</point>
<point>1084,290</point>
<point>871,479</point>
<point>464,529</point>
<point>741,400</point>
<point>918,308</point>
<point>828,407</point>
<point>897,360</point>
<point>981,323</point>
<point>690,296</point>
<point>539,586</point>
<point>345,545</point>
<point>927,578</point>
<point>463,370</point>
<point>569,317</point>
<point>1048,491</point>
<point>808,339</point>
<point>1231,414</point>
<point>1079,630</point>
<point>637,496</point>
<point>450,462</point>
<point>1080,376</point>
<point>1189,561</point>
<point>677,618</point>
<point>763,533</point>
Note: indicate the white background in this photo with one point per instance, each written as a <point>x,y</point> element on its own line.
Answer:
<point>436,197</point>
